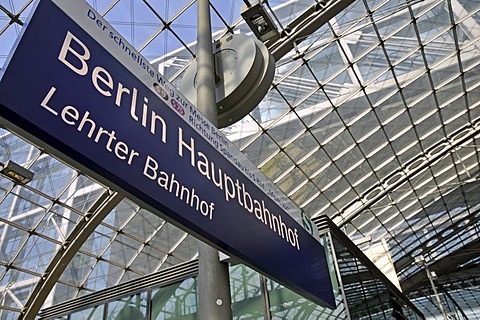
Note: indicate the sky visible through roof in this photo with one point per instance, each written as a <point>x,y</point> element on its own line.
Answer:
<point>364,124</point>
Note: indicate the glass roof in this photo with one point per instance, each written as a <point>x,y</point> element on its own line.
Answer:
<point>372,120</point>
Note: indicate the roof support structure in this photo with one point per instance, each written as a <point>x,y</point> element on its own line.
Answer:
<point>444,268</point>
<point>459,308</point>
<point>304,25</point>
<point>100,209</point>
<point>412,169</point>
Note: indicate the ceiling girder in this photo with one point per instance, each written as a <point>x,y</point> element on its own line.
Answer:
<point>446,268</point>
<point>304,25</point>
<point>100,209</point>
<point>411,169</point>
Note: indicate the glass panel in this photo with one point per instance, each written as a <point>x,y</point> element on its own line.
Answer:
<point>245,288</point>
<point>286,304</point>
<point>93,313</point>
<point>176,301</point>
<point>128,308</point>
<point>353,103</point>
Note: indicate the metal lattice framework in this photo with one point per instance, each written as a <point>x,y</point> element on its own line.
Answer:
<point>372,120</point>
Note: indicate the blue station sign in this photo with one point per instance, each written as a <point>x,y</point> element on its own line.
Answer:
<point>76,87</point>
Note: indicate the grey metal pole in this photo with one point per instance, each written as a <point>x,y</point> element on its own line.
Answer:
<point>440,304</point>
<point>214,301</point>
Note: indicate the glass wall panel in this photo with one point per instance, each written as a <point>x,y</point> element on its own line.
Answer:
<point>175,301</point>
<point>92,313</point>
<point>246,292</point>
<point>128,308</point>
<point>286,304</point>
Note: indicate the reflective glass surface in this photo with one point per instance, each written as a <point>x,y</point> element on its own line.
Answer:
<point>371,120</point>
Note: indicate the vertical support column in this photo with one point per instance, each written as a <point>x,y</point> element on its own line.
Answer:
<point>267,314</point>
<point>214,301</point>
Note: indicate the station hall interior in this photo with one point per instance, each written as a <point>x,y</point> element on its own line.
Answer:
<point>369,127</point>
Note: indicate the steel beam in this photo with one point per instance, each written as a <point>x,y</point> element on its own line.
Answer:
<point>102,207</point>
<point>304,25</point>
<point>412,169</point>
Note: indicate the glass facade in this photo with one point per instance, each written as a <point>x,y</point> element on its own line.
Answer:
<point>359,294</point>
<point>175,301</point>
<point>371,120</point>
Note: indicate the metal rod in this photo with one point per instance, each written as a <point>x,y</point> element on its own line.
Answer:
<point>267,314</point>
<point>459,308</point>
<point>213,278</point>
<point>437,297</point>
<point>69,249</point>
<point>206,100</point>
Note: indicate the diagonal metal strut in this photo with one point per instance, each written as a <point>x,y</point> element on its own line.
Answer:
<point>100,209</point>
